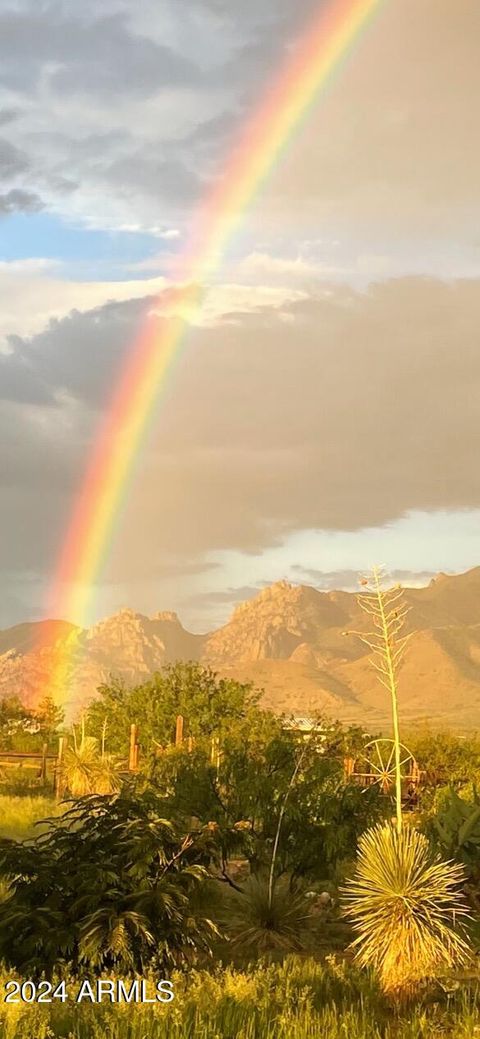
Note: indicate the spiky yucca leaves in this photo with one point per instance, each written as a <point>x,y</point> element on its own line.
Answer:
<point>406,908</point>
<point>264,921</point>
<point>78,767</point>
<point>84,770</point>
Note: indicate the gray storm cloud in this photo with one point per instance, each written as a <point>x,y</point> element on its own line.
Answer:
<point>339,412</point>
<point>401,160</point>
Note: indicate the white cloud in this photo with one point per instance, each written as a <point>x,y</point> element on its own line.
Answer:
<point>32,294</point>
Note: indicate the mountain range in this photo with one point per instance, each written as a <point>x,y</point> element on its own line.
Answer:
<point>290,642</point>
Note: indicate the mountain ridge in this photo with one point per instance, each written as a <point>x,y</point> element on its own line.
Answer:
<point>289,640</point>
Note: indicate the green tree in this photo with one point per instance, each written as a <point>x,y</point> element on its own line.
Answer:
<point>243,791</point>
<point>17,723</point>
<point>446,757</point>
<point>208,703</point>
<point>49,719</point>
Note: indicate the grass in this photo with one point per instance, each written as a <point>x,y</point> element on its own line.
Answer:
<point>18,814</point>
<point>300,999</point>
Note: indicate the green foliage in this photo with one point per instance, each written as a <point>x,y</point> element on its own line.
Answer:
<point>208,703</point>
<point>446,758</point>
<point>297,999</point>
<point>456,826</point>
<point>49,719</point>
<point>406,907</point>
<point>110,884</point>
<point>24,729</point>
<point>244,791</point>
<point>16,723</point>
<point>260,924</point>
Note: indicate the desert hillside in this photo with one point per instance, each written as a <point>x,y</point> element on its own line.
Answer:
<point>290,641</point>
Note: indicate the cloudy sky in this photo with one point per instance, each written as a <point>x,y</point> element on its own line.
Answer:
<point>325,413</point>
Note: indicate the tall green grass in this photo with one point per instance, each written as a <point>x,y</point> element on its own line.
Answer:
<point>18,815</point>
<point>300,999</point>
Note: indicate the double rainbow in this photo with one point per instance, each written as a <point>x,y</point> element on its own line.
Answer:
<point>265,136</point>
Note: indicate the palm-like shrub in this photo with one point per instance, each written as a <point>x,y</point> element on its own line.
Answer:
<point>87,769</point>
<point>264,920</point>
<point>78,768</point>
<point>406,908</point>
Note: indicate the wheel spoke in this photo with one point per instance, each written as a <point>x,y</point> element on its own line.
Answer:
<point>380,771</point>
<point>392,752</point>
<point>380,758</point>
<point>408,758</point>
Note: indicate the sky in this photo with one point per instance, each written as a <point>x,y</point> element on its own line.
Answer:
<point>324,415</point>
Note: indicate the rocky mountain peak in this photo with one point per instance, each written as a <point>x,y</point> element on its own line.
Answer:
<point>167,616</point>
<point>288,640</point>
<point>273,624</point>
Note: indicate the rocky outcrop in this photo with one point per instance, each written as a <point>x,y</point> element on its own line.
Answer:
<point>289,641</point>
<point>273,625</point>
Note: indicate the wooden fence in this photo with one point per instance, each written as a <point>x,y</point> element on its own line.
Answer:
<point>48,764</point>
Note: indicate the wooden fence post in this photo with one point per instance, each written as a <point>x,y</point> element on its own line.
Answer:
<point>179,731</point>
<point>133,755</point>
<point>349,765</point>
<point>57,781</point>
<point>43,768</point>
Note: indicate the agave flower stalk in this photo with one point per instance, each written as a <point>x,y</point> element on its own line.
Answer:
<point>388,611</point>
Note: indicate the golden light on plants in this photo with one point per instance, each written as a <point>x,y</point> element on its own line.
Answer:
<point>387,611</point>
<point>407,909</point>
<point>87,769</point>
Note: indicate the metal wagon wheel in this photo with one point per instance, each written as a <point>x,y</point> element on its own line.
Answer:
<point>378,762</point>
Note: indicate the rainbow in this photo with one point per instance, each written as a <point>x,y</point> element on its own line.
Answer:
<point>326,41</point>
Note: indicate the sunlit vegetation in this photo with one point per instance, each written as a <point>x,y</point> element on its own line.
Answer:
<point>296,999</point>
<point>243,862</point>
<point>404,900</point>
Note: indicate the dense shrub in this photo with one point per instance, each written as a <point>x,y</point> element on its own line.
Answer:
<point>111,883</point>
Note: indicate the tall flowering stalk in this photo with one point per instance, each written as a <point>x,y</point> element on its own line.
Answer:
<point>387,610</point>
<point>405,904</point>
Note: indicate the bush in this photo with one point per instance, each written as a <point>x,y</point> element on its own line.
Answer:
<point>261,925</point>
<point>110,884</point>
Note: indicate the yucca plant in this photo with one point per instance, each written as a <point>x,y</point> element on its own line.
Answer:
<point>404,901</point>
<point>87,769</point>
<point>264,921</point>
<point>78,767</point>
<point>407,909</point>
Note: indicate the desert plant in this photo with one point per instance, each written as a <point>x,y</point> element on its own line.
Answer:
<point>407,910</point>
<point>457,827</point>
<point>87,769</point>
<point>265,920</point>
<point>387,610</point>
<point>78,767</point>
